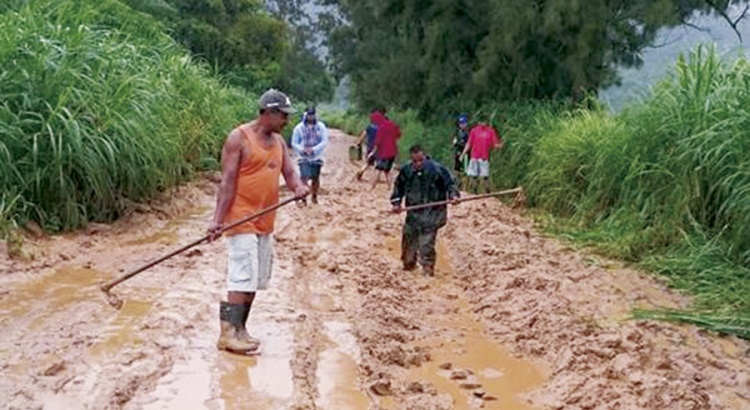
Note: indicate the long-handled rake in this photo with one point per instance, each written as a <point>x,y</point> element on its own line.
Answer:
<point>117,302</point>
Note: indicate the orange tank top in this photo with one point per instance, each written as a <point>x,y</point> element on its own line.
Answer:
<point>257,186</point>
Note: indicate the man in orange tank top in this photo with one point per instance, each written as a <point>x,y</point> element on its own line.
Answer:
<point>253,158</point>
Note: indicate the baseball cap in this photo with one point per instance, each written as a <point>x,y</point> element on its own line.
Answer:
<point>276,100</point>
<point>463,118</point>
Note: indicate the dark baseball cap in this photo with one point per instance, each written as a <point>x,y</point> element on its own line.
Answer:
<point>276,100</point>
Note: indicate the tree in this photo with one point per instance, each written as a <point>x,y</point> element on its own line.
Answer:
<point>244,42</point>
<point>430,54</point>
<point>304,74</point>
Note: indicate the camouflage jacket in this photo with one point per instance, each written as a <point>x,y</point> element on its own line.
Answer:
<point>432,183</point>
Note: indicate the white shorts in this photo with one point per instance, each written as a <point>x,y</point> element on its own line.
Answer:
<point>250,262</point>
<point>478,168</point>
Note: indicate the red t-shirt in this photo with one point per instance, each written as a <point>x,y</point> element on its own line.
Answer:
<point>482,139</point>
<point>386,139</point>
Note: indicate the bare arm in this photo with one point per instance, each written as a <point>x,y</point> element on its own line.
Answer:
<point>231,155</point>
<point>361,138</point>
<point>467,147</point>
<point>498,141</point>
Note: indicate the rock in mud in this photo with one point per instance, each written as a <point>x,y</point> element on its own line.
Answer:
<point>470,386</point>
<point>193,253</point>
<point>446,366</point>
<point>382,387</point>
<point>422,387</point>
<point>54,369</point>
<point>459,375</point>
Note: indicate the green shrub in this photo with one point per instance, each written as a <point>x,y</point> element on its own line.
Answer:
<point>100,107</point>
<point>666,183</point>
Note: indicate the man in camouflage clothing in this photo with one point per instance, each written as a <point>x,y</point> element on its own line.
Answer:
<point>422,181</point>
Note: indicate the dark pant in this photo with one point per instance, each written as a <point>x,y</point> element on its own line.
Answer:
<point>384,164</point>
<point>310,170</point>
<point>418,241</point>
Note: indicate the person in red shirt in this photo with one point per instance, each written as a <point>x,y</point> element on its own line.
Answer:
<point>386,146</point>
<point>482,140</point>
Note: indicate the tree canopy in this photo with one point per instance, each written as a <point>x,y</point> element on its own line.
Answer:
<point>250,46</point>
<point>429,54</point>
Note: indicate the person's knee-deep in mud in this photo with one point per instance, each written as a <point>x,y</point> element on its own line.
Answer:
<point>253,157</point>
<point>422,181</point>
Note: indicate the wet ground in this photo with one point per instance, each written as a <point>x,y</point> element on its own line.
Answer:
<point>513,320</point>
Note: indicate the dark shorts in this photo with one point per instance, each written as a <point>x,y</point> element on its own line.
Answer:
<point>370,158</point>
<point>460,164</point>
<point>310,170</point>
<point>384,164</point>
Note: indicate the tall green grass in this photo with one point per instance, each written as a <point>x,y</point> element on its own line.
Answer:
<point>100,108</point>
<point>665,184</point>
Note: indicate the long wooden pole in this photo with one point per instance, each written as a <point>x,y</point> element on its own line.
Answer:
<point>109,285</point>
<point>467,199</point>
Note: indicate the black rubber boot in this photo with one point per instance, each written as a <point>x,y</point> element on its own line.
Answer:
<point>234,337</point>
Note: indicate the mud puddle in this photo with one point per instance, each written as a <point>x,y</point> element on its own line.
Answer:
<point>337,371</point>
<point>208,378</point>
<point>123,331</point>
<point>46,294</point>
<point>169,234</point>
<point>476,371</point>
<point>188,385</point>
<point>32,309</point>
<point>338,360</point>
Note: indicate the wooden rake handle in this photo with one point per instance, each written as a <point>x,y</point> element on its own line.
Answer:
<point>467,199</point>
<point>109,285</point>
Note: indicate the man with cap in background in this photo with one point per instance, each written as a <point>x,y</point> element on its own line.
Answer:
<point>309,140</point>
<point>252,159</point>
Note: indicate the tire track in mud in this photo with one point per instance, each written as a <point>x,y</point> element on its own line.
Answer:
<point>342,326</point>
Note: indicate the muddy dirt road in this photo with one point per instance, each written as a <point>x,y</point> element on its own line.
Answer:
<point>513,320</point>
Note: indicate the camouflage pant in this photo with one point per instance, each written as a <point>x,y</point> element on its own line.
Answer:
<point>418,241</point>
